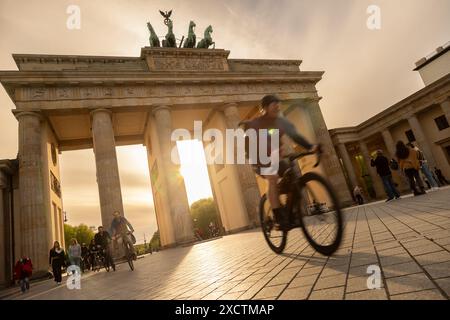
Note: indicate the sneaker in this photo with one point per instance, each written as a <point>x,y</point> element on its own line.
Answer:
<point>389,199</point>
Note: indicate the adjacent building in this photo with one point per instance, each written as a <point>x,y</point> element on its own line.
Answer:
<point>422,118</point>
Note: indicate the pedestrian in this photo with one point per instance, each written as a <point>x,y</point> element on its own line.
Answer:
<point>409,163</point>
<point>440,176</point>
<point>433,185</point>
<point>74,253</point>
<point>384,171</point>
<point>22,273</point>
<point>57,260</point>
<point>357,193</point>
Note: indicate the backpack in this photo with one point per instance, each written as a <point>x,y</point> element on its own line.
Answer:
<point>27,267</point>
<point>420,155</point>
<point>394,164</point>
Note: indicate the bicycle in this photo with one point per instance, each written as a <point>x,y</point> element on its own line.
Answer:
<point>310,202</point>
<point>128,252</point>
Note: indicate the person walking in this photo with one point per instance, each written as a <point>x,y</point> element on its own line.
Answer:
<point>75,253</point>
<point>440,176</point>
<point>57,260</point>
<point>409,163</point>
<point>425,168</point>
<point>357,193</point>
<point>22,273</point>
<point>384,171</point>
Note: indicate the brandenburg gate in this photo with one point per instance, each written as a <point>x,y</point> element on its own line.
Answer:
<point>80,102</point>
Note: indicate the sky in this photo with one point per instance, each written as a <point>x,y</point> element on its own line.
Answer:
<point>366,71</point>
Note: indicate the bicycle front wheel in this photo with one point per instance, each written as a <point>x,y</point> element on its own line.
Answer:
<point>320,213</point>
<point>276,239</point>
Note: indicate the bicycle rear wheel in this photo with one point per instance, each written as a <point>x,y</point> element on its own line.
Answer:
<point>276,239</point>
<point>106,264</point>
<point>320,213</point>
<point>130,262</point>
<point>129,256</point>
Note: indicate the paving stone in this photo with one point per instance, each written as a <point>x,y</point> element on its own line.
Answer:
<point>430,248</point>
<point>395,259</point>
<point>270,291</point>
<point>387,245</point>
<point>444,284</point>
<point>359,271</point>
<point>300,293</point>
<point>328,294</point>
<point>438,270</point>
<point>376,294</point>
<point>303,281</point>
<point>401,269</point>
<point>433,258</point>
<point>330,282</point>
<point>230,296</point>
<point>358,284</point>
<point>310,271</point>
<point>419,295</point>
<point>409,283</point>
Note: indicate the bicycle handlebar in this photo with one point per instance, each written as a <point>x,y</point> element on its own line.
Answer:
<point>309,153</point>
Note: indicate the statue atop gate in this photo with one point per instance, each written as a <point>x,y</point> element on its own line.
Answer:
<point>170,41</point>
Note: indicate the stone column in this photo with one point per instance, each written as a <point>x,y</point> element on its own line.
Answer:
<point>247,178</point>
<point>106,163</point>
<point>33,213</point>
<point>179,206</point>
<point>421,140</point>
<point>330,161</point>
<point>446,108</point>
<point>348,164</point>
<point>376,179</point>
<point>3,241</point>
<point>389,142</point>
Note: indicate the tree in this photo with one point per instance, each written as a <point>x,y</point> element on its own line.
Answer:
<point>82,233</point>
<point>155,242</point>
<point>203,212</point>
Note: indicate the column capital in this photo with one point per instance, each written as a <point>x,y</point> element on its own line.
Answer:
<point>19,114</point>
<point>94,111</point>
<point>160,108</point>
<point>226,105</point>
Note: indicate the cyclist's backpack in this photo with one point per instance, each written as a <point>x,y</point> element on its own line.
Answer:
<point>394,164</point>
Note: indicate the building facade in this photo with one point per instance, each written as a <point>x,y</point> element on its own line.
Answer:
<point>422,118</point>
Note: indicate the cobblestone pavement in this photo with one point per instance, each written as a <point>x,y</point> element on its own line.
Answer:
<point>409,239</point>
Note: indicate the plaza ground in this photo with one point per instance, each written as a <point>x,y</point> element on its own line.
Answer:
<point>409,239</point>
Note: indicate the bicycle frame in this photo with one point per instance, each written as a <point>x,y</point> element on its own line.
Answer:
<point>291,177</point>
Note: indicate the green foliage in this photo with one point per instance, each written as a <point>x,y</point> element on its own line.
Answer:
<point>82,233</point>
<point>142,249</point>
<point>203,212</point>
<point>155,242</point>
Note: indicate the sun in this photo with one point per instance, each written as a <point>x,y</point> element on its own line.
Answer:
<point>194,170</point>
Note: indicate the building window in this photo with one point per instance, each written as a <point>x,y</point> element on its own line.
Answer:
<point>441,123</point>
<point>56,187</point>
<point>447,149</point>
<point>410,136</point>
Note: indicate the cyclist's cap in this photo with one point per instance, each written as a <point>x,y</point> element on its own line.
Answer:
<point>267,100</point>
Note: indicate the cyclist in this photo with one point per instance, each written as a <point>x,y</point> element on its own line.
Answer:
<point>103,239</point>
<point>85,256</point>
<point>272,120</point>
<point>92,252</point>
<point>121,227</point>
